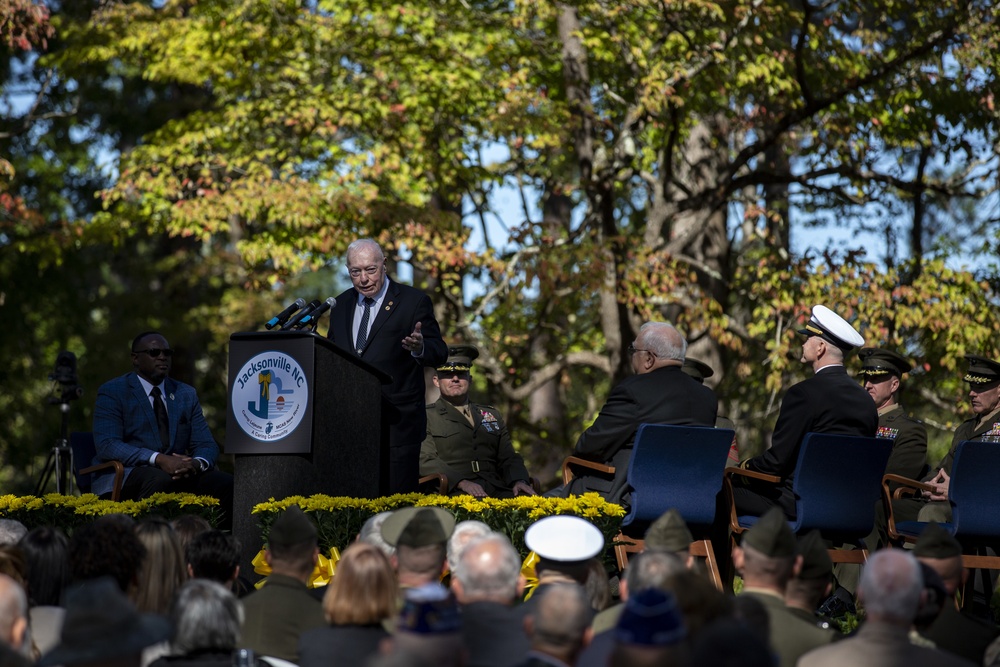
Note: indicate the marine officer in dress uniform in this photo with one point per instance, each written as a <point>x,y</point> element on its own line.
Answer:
<point>883,371</point>
<point>467,442</point>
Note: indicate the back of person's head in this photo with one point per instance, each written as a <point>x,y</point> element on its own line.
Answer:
<point>700,602</point>
<point>163,570</point>
<point>560,625</point>
<point>663,340</point>
<point>891,586</point>
<point>13,612</point>
<point>205,616</point>
<point>488,570</point>
<point>768,553</point>
<point>730,643</point>
<point>933,600</point>
<point>364,590</point>
<point>425,563</point>
<point>293,542</point>
<point>213,555</point>
<point>371,533</point>
<point>652,569</point>
<point>106,548</point>
<point>46,552</point>
<point>187,526</point>
<point>464,533</point>
<point>597,585</point>
<point>11,531</point>
<point>13,564</point>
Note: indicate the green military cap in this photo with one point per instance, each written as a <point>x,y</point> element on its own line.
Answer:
<point>816,563</point>
<point>292,527</point>
<point>832,328</point>
<point>936,542</point>
<point>698,370</point>
<point>669,533</point>
<point>880,364</point>
<point>460,358</point>
<point>982,371</point>
<point>418,526</point>
<point>771,535</point>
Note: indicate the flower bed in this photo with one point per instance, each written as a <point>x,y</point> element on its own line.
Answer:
<point>69,512</point>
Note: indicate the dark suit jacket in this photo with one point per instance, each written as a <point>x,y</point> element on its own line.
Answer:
<point>400,311</point>
<point>125,427</point>
<point>828,402</point>
<point>666,395</point>
<point>340,644</point>
<point>493,634</point>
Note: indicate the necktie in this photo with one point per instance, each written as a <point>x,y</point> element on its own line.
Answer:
<point>160,411</point>
<point>363,329</point>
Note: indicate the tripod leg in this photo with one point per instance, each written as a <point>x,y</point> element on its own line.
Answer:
<point>43,480</point>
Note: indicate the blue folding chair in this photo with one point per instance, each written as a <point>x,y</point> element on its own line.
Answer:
<point>837,483</point>
<point>84,453</point>
<point>675,467</point>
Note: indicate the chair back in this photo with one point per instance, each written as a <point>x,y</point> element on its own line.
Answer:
<point>84,453</point>
<point>837,482</point>
<point>677,467</point>
<point>972,490</point>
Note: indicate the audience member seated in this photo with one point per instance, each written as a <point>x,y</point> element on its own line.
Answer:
<point>650,632</point>
<point>11,532</point>
<point>207,620</point>
<point>214,555</point>
<point>806,591</point>
<point>890,590</point>
<point>46,552</point>
<point>187,526</point>
<point>361,596</point>
<point>371,533</point>
<point>487,581</point>
<point>107,547</point>
<point>558,626</point>
<point>103,629</point>
<point>428,629</point>
<point>15,640</point>
<point>163,569</point>
<point>420,535</point>
<point>465,533</point>
<point>278,613</point>
<point>650,569</point>
<point>565,545</point>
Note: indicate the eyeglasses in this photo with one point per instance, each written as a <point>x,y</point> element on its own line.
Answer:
<point>155,352</point>
<point>632,349</point>
<point>370,271</point>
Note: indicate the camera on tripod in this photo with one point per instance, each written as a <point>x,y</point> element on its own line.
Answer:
<point>65,375</point>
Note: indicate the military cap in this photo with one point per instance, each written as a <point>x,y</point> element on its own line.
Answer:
<point>418,526</point>
<point>816,563</point>
<point>881,364</point>
<point>698,370</point>
<point>292,527</point>
<point>650,618</point>
<point>832,328</point>
<point>936,542</point>
<point>982,371</point>
<point>460,358</point>
<point>669,533</point>
<point>429,610</point>
<point>564,538</point>
<point>771,535</point>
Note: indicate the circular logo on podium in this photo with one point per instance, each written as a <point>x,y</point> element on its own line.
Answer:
<point>269,396</point>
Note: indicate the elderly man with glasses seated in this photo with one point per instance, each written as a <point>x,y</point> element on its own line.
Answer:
<point>659,393</point>
<point>153,424</point>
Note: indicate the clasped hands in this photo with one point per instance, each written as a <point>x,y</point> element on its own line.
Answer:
<point>477,491</point>
<point>940,482</point>
<point>177,466</point>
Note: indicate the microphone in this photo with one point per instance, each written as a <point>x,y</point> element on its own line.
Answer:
<point>312,318</point>
<point>280,318</point>
<point>313,305</point>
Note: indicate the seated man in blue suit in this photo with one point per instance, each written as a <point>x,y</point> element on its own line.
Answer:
<point>153,424</point>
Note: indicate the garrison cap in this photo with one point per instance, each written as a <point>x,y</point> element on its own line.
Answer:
<point>816,563</point>
<point>698,370</point>
<point>832,328</point>
<point>771,535</point>
<point>936,542</point>
<point>460,358</point>
<point>982,371</point>
<point>418,526</point>
<point>669,533</point>
<point>880,364</point>
<point>429,610</point>
<point>565,538</point>
<point>292,527</point>
<point>651,617</point>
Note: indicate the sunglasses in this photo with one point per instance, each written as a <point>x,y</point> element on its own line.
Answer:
<point>155,352</point>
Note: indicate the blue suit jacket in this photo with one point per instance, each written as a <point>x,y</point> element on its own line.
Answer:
<point>125,426</point>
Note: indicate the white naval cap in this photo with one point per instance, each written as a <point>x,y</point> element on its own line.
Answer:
<point>832,328</point>
<point>564,538</point>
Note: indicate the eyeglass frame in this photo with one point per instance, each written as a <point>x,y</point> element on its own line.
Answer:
<point>632,349</point>
<point>155,352</point>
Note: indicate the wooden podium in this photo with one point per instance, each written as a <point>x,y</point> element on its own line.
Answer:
<point>305,417</point>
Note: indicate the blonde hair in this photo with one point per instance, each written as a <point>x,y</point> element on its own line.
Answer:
<point>364,589</point>
<point>163,569</point>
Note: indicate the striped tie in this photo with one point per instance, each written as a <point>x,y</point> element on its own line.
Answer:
<point>363,329</point>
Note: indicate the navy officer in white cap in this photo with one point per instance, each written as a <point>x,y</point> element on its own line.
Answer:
<point>828,402</point>
<point>565,544</point>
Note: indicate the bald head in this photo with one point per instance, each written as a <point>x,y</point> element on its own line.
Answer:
<point>561,620</point>
<point>489,569</point>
